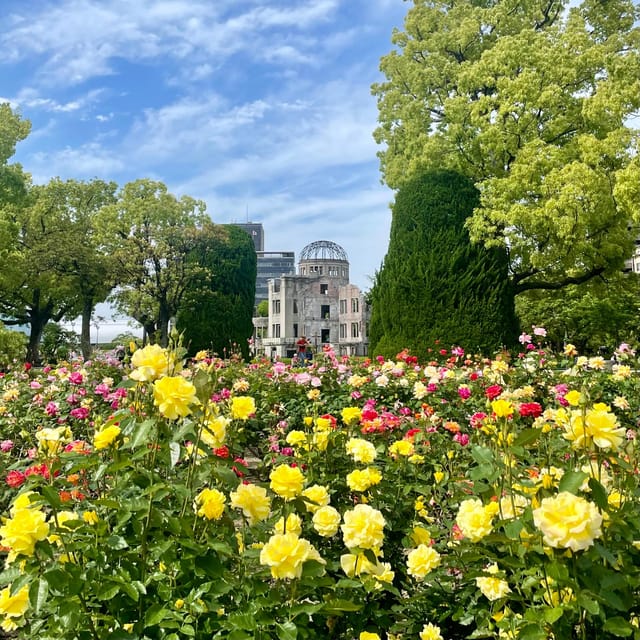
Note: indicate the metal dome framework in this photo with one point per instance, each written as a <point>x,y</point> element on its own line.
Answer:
<point>323,250</point>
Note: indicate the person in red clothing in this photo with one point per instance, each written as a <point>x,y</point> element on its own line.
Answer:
<point>302,345</point>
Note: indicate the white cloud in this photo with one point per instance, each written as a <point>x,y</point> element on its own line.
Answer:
<point>84,162</point>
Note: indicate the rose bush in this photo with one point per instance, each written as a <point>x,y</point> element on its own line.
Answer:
<point>456,497</point>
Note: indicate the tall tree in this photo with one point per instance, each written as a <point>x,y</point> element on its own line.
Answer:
<point>33,288</point>
<point>152,233</point>
<point>218,309</point>
<point>89,264</point>
<point>434,284</point>
<point>531,99</point>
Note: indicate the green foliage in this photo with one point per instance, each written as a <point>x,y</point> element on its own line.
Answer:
<point>263,309</point>
<point>58,343</point>
<point>595,314</point>
<point>218,306</point>
<point>149,232</point>
<point>12,346</point>
<point>434,285</point>
<point>532,101</point>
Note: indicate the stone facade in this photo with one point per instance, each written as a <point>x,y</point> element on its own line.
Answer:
<point>318,303</point>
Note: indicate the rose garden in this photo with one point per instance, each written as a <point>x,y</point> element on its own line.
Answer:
<point>457,497</point>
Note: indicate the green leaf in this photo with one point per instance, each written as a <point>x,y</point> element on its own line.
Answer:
<point>140,434</point>
<point>527,436</point>
<point>599,494</point>
<point>117,542</point>
<point>107,590</point>
<point>588,602</point>
<point>339,606</point>
<point>551,615</point>
<point>51,496</point>
<point>572,481</point>
<point>38,594</point>
<point>482,455</point>
<point>174,453</point>
<point>245,621</point>
<point>286,631</point>
<point>618,626</point>
<point>154,615</point>
<point>130,590</point>
<point>532,632</point>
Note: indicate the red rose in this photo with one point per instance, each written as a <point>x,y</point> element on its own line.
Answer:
<point>493,391</point>
<point>15,479</point>
<point>532,409</point>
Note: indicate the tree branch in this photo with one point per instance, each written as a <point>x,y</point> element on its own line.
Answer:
<point>554,286</point>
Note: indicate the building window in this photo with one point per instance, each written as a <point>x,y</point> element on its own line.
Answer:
<point>275,330</point>
<point>325,311</point>
<point>324,289</point>
<point>343,331</point>
<point>302,270</point>
<point>275,306</point>
<point>324,335</point>
<point>355,305</point>
<point>343,306</point>
<point>355,330</point>
<point>295,306</point>
<point>295,329</point>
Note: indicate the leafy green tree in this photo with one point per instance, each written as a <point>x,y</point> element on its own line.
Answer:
<point>12,346</point>
<point>150,233</point>
<point>13,181</point>
<point>602,312</point>
<point>34,290</point>
<point>83,257</point>
<point>58,343</point>
<point>218,307</point>
<point>434,284</point>
<point>531,99</point>
<point>262,309</point>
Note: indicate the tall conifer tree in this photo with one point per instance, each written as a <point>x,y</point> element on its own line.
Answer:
<point>434,285</point>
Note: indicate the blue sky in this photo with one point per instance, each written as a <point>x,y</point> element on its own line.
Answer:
<point>261,108</point>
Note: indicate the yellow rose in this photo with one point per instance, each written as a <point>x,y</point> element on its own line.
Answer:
<point>474,519</point>
<point>603,428</point>
<point>13,606</point>
<point>90,517</point>
<point>491,587</point>
<point>568,521</point>
<point>419,535</point>
<point>286,481</point>
<point>105,437</point>
<point>214,432</point>
<point>573,398</point>
<point>351,415</point>
<point>295,438</point>
<point>366,635</point>
<point>21,532</point>
<point>316,496</point>
<point>326,521</point>
<point>173,396</point>
<point>293,524</point>
<point>422,561</point>
<point>286,553</point>
<point>253,501</point>
<point>362,479</point>
<point>401,448</point>
<point>361,450</point>
<point>150,363</point>
<point>209,504</point>
<point>52,439</point>
<point>363,527</point>
<point>242,407</point>
<point>430,632</point>
<point>502,408</point>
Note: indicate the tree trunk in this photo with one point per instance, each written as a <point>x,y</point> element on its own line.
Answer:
<point>37,324</point>
<point>163,327</point>
<point>85,332</point>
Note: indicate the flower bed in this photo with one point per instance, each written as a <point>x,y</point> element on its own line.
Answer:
<point>463,497</point>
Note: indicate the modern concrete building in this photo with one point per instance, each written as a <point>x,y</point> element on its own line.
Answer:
<point>270,264</point>
<point>318,303</point>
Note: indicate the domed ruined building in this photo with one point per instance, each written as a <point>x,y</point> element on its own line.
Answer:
<point>317,307</point>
